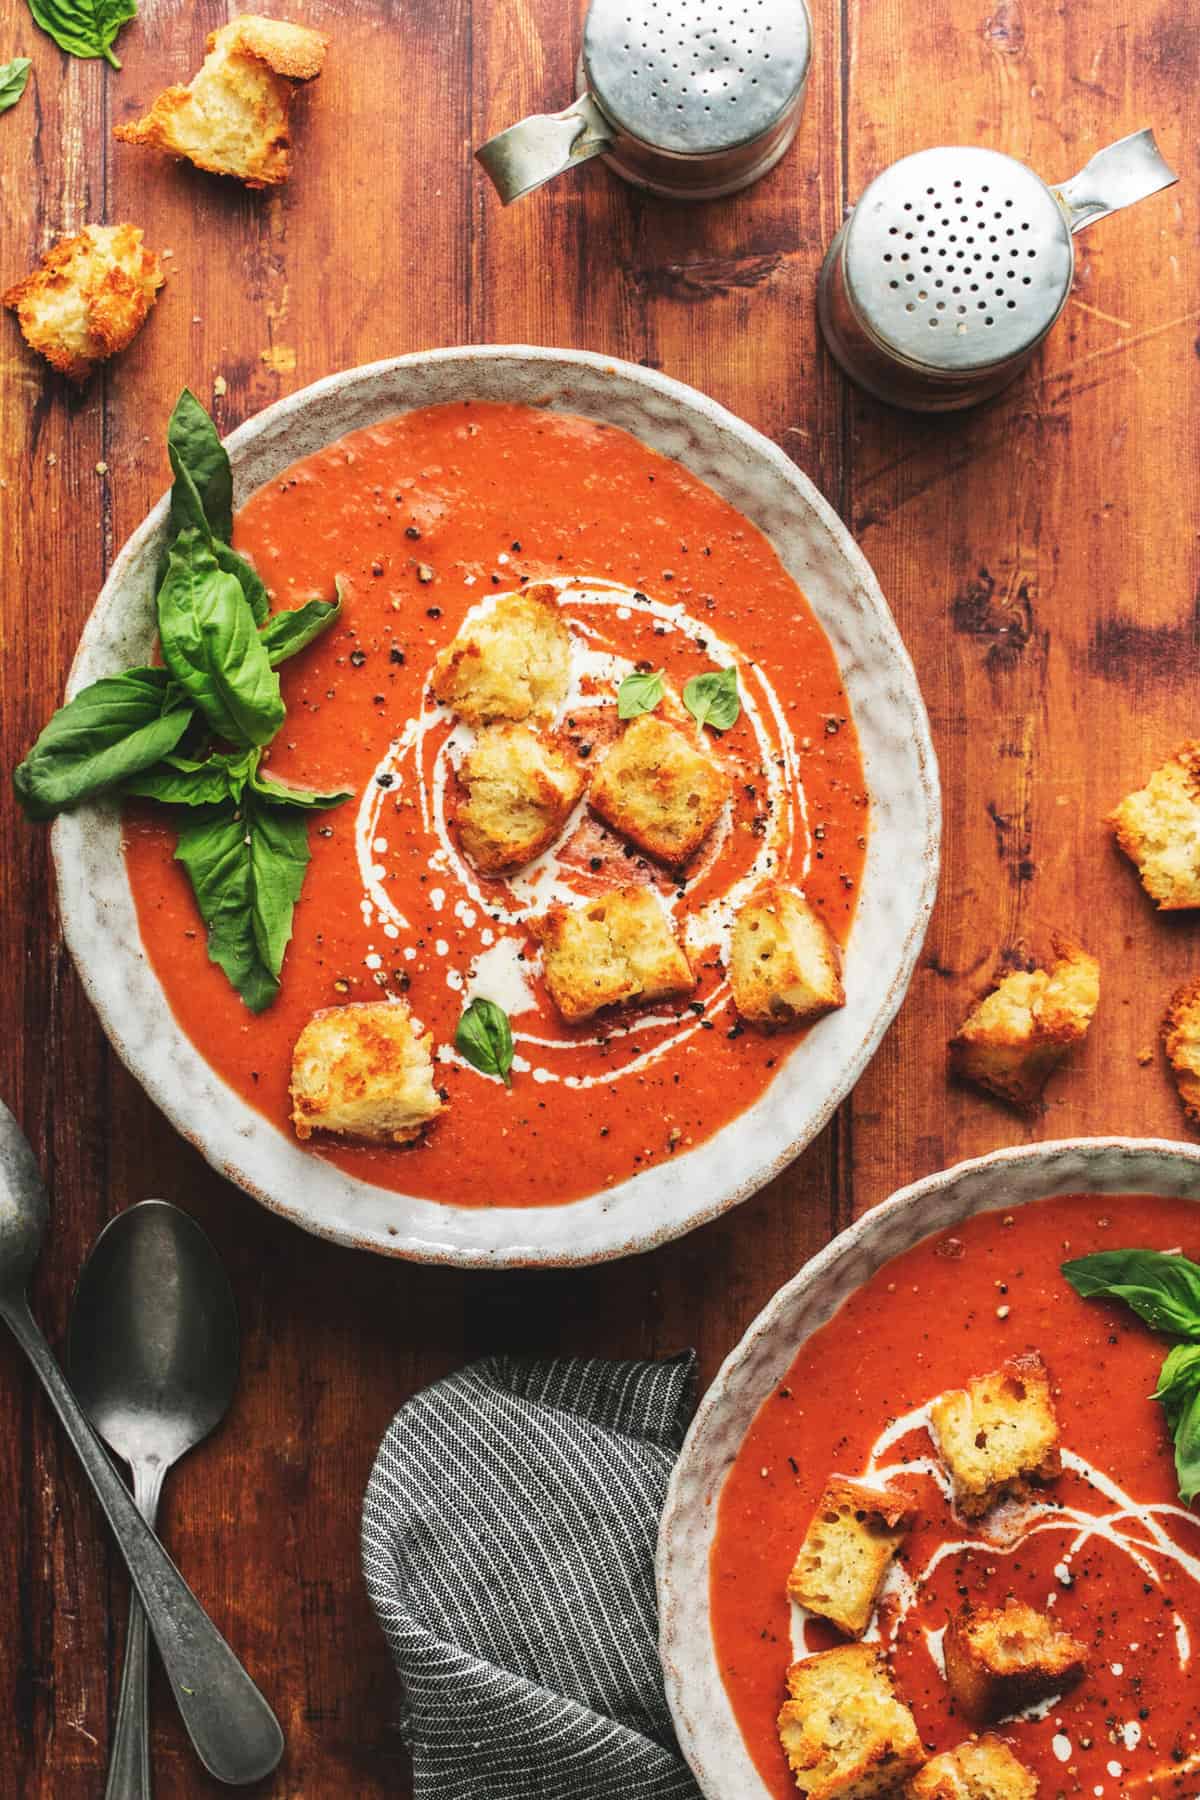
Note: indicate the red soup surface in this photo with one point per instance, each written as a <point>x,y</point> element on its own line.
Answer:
<point>423,520</point>
<point>957,1306</point>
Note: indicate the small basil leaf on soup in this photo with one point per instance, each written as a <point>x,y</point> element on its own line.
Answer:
<point>484,1037</point>
<point>639,693</point>
<point>712,698</point>
<point>1178,1381</point>
<point>14,76</point>
<point>84,27</point>
<point>284,633</point>
<point>284,793</point>
<point>212,648</point>
<point>112,730</point>
<point>1161,1288</point>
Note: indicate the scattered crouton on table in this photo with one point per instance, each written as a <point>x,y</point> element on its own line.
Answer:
<point>844,1731</point>
<point>1158,828</point>
<point>362,1071</point>
<point>785,965</point>
<point>1181,1041</point>
<point>657,788</point>
<point>232,117</point>
<point>998,1434</point>
<point>855,1532</point>
<point>1012,1041</point>
<point>983,1768</point>
<point>512,662</point>
<point>618,948</point>
<point>518,789</point>
<point>999,1660</point>
<point>88,298</point>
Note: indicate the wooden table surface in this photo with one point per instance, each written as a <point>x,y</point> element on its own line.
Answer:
<point>1040,555</point>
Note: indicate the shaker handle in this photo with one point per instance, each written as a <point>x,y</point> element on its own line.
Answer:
<point>1131,169</point>
<point>537,149</point>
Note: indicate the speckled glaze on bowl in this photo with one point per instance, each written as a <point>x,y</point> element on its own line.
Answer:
<point>899,880</point>
<point>708,1732</point>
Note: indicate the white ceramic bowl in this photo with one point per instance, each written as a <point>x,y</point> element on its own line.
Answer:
<point>708,1732</point>
<point>899,882</point>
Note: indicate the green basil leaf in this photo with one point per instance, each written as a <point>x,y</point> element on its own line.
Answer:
<point>639,694</point>
<point>114,729</point>
<point>211,646</point>
<point>287,632</point>
<point>84,27</point>
<point>14,77</point>
<point>1178,1380</point>
<point>282,793</point>
<point>181,781</point>
<point>202,496</point>
<point>1162,1289</point>
<point>247,867</point>
<point>247,578</point>
<point>484,1037</point>
<point>1187,1449</point>
<point>712,698</point>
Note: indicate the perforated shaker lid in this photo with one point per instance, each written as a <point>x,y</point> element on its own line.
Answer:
<point>696,77</point>
<point>957,259</point>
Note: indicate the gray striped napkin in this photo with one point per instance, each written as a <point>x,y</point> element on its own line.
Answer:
<point>508,1547</point>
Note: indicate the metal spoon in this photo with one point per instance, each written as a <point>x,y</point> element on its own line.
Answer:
<point>152,1354</point>
<point>235,1733</point>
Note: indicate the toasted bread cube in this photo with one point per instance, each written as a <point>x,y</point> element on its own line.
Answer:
<point>232,117</point>
<point>88,298</point>
<point>1158,828</point>
<point>785,965</point>
<point>981,1769</point>
<point>845,1733</point>
<point>998,1433</point>
<point>362,1071</point>
<point>513,663</point>
<point>616,949</point>
<point>1181,1041</point>
<point>1012,1041</point>
<point>1001,1659</point>
<point>659,790</point>
<point>854,1534</point>
<point>518,790</point>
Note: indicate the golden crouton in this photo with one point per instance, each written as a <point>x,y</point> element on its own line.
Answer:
<point>981,1769</point>
<point>513,663</point>
<point>88,298</point>
<point>616,949</point>
<point>785,965</point>
<point>232,117</point>
<point>1011,1042</point>
<point>998,1433</point>
<point>1181,1041</point>
<point>361,1071</point>
<point>855,1532</point>
<point>1158,828</point>
<point>845,1733</point>
<point>518,789</point>
<point>1001,1660</point>
<point>656,788</point>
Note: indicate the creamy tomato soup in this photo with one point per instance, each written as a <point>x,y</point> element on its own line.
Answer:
<point>1107,1549</point>
<point>424,521</point>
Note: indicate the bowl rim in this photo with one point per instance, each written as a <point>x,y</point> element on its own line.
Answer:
<point>421,1238</point>
<point>708,1734</point>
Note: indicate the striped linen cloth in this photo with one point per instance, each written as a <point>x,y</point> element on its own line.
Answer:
<point>508,1546</point>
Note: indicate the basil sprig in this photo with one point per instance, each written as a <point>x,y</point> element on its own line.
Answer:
<point>1164,1290</point>
<point>14,77</point>
<point>243,837</point>
<point>84,27</point>
<point>484,1037</point>
<point>712,698</point>
<point>639,693</point>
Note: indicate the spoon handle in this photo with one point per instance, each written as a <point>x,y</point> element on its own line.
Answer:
<point>129,1762</point>
<point>235,1733</point>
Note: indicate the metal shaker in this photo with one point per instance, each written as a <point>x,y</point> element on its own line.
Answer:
<point>687,98</point>
<point>956,263</point>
